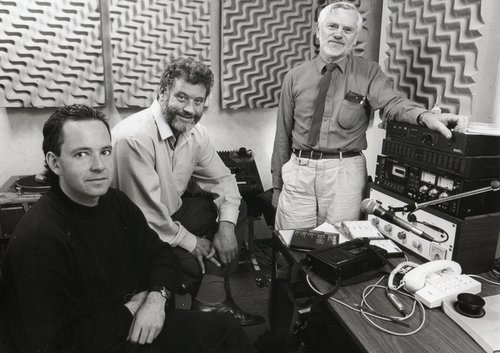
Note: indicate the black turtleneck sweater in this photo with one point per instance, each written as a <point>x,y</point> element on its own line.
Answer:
<point>70,269</point>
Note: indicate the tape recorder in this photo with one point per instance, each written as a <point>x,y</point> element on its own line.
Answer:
<point>422,184</point>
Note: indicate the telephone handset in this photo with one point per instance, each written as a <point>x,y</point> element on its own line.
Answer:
<point>438,280</point>
<point>415,279</point>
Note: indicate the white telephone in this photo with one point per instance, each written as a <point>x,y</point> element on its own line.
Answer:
<point>437,280</point>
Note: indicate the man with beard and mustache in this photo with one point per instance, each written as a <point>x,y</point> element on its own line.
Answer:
<point>319,171</point>
<point>162,152</point>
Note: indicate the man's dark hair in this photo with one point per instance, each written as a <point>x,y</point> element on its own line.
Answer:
<point>190,70</point>
<point>53,136</point>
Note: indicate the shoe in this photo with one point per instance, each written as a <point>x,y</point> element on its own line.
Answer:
<point>229,307</point>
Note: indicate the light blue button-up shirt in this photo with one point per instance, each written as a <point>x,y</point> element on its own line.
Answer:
<point>154,174</point>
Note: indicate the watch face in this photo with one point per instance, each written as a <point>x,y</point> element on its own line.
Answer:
<point>162,290</point>
<point>165,293</point>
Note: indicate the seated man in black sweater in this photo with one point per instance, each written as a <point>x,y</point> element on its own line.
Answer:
<point>85,273</point>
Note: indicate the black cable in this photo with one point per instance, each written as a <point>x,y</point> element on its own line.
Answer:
<point>413,218</point>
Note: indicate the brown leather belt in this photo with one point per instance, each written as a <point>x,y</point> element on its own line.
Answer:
<point>322,155</point>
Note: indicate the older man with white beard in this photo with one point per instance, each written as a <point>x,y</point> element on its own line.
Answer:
<point>319,171</point>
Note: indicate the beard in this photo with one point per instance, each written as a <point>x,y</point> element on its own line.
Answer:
<point>338,52</point>
<point>179,120</point>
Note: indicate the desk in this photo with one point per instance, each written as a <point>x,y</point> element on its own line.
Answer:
<point>439,334</point>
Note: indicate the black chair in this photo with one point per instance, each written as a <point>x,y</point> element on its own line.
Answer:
<point>189,285</point>
<point>7,344</point>
<point>264,201</point>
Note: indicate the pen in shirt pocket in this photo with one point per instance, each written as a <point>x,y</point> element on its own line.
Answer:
<point>355,97</point>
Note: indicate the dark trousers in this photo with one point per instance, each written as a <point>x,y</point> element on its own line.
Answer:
<point>198,215</point>
<point>197,332</point>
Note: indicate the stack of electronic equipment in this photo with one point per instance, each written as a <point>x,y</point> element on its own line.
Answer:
<point>242,164</point>
<point>418,165</point>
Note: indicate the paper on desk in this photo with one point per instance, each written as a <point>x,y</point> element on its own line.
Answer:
<point>286,236</point>
<point>483,129</point>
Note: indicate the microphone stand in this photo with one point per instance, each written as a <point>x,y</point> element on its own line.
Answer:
<point>494,186</point>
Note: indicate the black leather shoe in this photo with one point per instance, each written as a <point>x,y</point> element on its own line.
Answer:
<point>229,307</point>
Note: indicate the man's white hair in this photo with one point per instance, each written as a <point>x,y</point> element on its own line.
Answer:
<point>341,5</point>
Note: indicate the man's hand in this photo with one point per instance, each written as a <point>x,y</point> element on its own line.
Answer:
<point>276,197</point>
<point>203,249</point>
<point>136,301</point>
<point>225,242</point>
<point>440,122</point>
<point>148,320</point>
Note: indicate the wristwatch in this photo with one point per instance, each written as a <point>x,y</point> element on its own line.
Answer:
<point>164,292</point>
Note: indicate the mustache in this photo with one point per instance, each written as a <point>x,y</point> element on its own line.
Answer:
<point>184,114</point>
<point>173,111</point>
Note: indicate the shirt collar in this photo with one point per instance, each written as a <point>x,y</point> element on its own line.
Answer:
<point>320,63</point>
<point>163,127</point>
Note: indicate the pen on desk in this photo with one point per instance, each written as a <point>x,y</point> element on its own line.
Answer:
<point>395,302</point>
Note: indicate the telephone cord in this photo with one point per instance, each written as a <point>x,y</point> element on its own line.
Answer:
<point>372,312</point>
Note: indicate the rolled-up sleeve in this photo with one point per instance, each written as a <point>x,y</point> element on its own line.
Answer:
<point>212,176</point>
<point>393,106</point>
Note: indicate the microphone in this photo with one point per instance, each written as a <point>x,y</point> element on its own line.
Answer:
<point>370,206</point>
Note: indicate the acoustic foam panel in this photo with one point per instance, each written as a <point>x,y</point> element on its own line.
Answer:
<point>261,41</point>
<point>432,50</point>
<point>145,34</point>
<point>50,53</point>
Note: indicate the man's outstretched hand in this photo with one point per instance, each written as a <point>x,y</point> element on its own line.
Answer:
<point>444,121</point>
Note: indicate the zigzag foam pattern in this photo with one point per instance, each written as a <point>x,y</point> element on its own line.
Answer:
<point>432,50</point>
<point>145,34</point>
<point>261,41</point>
<point>50,53</point>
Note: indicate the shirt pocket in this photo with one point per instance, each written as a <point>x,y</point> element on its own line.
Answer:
<point>351,114</point>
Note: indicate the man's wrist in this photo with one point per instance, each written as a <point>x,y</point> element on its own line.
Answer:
<point>420,119</point>
<point>226,226</point>
<point>160,292</point>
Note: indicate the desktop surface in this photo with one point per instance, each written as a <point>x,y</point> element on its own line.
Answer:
<point>438,334</point>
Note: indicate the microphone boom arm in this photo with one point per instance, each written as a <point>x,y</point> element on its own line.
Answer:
<point>494,186</point>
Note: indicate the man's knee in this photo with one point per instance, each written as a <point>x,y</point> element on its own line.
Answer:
<point>198,215</point>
